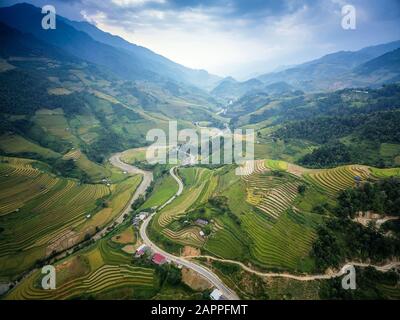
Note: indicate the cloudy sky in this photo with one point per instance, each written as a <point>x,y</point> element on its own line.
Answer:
<point>241,38</point>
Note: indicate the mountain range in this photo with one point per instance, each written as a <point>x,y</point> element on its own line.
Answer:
<point>370,66</point>
<point>85,41</point>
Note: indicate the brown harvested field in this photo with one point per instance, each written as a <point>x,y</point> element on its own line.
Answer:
<point>125,237</point>
<point>71,269</point>
<point>129,248</point>
<point>64,241</point>
<point>189,251</point>
<point>194,280</point>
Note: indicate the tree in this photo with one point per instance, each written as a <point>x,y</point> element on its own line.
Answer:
<point>301,189</point>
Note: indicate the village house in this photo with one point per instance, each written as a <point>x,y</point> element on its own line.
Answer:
<point>158,259</point>
<point>202,222</point>
<point>141,250</point>
<point>217,295</point>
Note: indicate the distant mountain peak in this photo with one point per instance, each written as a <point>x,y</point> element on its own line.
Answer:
<point>85,41</point>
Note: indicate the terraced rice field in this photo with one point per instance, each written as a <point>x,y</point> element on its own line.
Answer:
<point>340,178</point>
<point>272,195</point>
<point>95,271</point>
<point>199,185</point>
<point>105,278</point>
<point>284,243</point>
<point>41,213</point>
<point>15,144</point>
<point>252,166</point>
<point>227,241</point>
<point>276,165</point>
<point>163,191</point>
<point>196,180</point>
<point>95,171</point>
<point>385,173</point>
<point>275,236</point>
<point>187,236</point>
<point>54,123</point>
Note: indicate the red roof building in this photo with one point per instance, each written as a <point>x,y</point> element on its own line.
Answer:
<point>158,258</point>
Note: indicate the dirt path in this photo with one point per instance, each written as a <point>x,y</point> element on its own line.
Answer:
<point>383,268</point>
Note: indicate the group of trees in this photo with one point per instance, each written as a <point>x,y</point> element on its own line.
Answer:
<point>329,155</point>
<point>369,286</point>
<point>378,126</point>
<point>321,129</point>
<point>221,203</point>
<point>341,239</point>
<point>381,197</point>
<point>24,93</point>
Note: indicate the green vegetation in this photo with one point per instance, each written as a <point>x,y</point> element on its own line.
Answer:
<point>384,173</point>
<point>42,214</point>
<point>341,239</point>
<point>332,181</point>
<point>329,155</point>
<point>163,190</point>
<point>105,270</point>
<point>251,286</point>
<point>382,197</point>
<point>371,285</point>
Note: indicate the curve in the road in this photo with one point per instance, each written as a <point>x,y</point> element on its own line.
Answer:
<point>207,273</point>
<point>203,271</point>
<point>147,178</point>
<point>341,272</point>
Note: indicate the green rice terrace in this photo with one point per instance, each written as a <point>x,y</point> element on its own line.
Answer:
<point>79,110</point>
<point>42,214</point>
<point>265,219</point>
<point>261,219</point>
<point>105,270</point>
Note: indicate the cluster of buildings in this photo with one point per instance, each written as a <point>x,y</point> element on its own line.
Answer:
<point>106,182</point>
<point>139,217</point>
<point>157,258</point>
<point>160,259</point>
<point>202,223</point>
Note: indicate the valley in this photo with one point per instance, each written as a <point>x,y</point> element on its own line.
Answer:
<point>77,190</point>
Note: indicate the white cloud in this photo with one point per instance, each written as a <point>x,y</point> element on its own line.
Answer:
<point>220,40</point>
<point>133,3</point>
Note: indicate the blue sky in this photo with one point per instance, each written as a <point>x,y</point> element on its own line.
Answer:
<point>238,38</point>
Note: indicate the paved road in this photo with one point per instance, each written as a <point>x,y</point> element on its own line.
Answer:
<point>141,190</point>
<point>147,178</point>
<point>203,271</point>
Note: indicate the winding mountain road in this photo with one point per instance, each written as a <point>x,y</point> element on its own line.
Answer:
<point>147,178</point>
<point>202,270</point>
<point>311,277</point>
